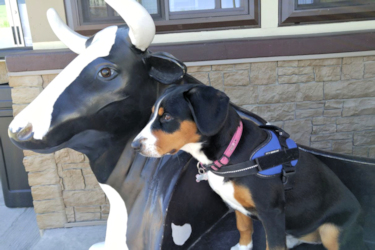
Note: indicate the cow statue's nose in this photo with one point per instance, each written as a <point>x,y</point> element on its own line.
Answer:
<point>137,144</point>
<point>22,134</point>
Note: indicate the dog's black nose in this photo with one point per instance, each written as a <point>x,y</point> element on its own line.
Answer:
<point>137,144</point>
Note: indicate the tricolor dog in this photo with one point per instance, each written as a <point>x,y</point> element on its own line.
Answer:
<point>249,166</point>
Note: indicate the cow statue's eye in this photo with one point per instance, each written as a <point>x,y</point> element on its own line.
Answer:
<point>107,73</point>
<point>166,117</point>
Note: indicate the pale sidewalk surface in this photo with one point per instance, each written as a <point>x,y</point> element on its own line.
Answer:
<point>19,231</point>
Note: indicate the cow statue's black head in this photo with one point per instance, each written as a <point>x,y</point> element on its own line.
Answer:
<point>105,92</point>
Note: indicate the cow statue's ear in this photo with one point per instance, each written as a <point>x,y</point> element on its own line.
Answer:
<point>165,68</point>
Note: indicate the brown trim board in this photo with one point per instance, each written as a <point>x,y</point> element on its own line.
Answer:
<point>219,50</point>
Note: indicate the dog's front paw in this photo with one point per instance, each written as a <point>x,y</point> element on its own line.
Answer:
<point>98,246</point>
<point>242,247</point>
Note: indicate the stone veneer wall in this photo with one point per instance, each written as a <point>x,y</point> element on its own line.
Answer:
<point>327,103</point>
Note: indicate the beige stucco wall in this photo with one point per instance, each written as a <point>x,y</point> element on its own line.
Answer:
<point>39,26</point>
<point>3,72</point>
<point>327,104</point>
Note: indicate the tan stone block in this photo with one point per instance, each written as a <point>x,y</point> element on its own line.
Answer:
<point>48,206</point>
<point>332,112</point>
<point>70,215</point>
<point>369,58</point>
<point>238,78</point>
<point>73,179</point>
<point>51,220</point>
<point>333,104</point>
<point>25,95</point>
<point>364,138</point>
<point>47,177</point>
<point>277,93</point>
<point>342,146</point>
<point>349,89</point>
<point>242,66</point>
<point>296,71</point>
<point>319,62</point>
<point>17,108</point>
<point>263,73</point>
<point>46,192</point>
<point>325,74</point>
<point>91,181</point>
<point>296,78</point>
<point>308,113</point>
<point>87,171</point>
<point>201,76</point>
<point>371,153</point>
<point>323,120</point>
<point>287,63</point>
<point>309,105</point>
<point>84,197</point>
<point>105,209</point>
<point>310,92</point>
<point>29,153</point>
<point>359,107</point>
<point>321,145</point>
<point>3,73</point>
<point>242,95</point>
<point>105,216</point>
<point>355,123</point>
<point>81,165</point>
<point>193,69</point>
<point>47,79</point>
<point>68,156</point>
<point>352,60</point>
<point>87,216</point>
<point>216,80</point>
<point>25,81</point>
<point>324,129</point>
<point>335,136</point>
<point>222,67</point>
<point>276,112</point>
<point>39,162</point>
<point>369,70</point>
<point>299,130</point>
<point>86,209</point>
<point>360,151</point>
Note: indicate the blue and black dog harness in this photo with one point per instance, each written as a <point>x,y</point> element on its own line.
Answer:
<point>278,154</point>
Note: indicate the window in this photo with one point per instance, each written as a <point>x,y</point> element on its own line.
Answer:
<point>294,12</point>
<point>89,16</point>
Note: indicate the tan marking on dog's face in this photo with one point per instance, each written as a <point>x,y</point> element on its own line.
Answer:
<point>161,111</point>
<point>243,196</point>
<point>153,109</point>
<point>172,142</point>
<point>313,237</point>
<point>329,234</point>
<point>245,227</point>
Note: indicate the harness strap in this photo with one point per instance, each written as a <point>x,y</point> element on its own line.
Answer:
<point>259,164</point>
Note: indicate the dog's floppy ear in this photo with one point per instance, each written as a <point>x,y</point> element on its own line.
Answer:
<point>209,107</point>
<point>165,68</point>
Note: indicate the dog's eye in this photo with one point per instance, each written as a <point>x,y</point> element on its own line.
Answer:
<point>166,117</point>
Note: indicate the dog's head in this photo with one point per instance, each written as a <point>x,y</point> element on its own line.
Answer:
<point>184,115</point>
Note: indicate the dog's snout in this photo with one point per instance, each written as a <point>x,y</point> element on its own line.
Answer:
<point>137,143</point>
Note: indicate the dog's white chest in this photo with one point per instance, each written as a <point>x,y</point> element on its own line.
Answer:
<point>226,191</point>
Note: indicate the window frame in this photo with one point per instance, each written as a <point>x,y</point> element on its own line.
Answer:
<point>288,15</point>
<point>177,22</point>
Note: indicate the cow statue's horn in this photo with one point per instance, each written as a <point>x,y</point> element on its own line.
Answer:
<point>141,25</point>
<point>74,41</point>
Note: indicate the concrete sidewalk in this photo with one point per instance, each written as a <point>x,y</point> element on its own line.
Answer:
<point>19,231</point>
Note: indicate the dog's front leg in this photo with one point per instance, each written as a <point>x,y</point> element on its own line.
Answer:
<point>245,227</point>
<point>274,226</point>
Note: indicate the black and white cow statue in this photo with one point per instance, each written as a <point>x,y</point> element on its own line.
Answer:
<point>101,101</point>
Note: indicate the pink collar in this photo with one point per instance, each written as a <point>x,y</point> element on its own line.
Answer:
<point>224,160</point>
